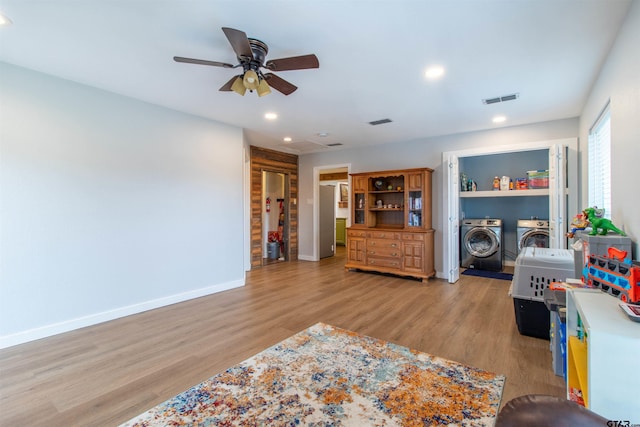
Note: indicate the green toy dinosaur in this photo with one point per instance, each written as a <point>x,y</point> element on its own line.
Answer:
<point>599,223</point>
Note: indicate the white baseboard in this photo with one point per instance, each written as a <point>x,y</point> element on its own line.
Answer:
<point>105,316</point>
<point>306,258</point>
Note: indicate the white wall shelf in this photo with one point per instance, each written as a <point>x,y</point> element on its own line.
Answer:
<point>508,193</point>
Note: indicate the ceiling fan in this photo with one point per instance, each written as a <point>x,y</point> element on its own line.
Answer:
<point>251,54</point>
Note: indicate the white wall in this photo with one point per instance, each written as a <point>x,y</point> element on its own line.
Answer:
<point>423,153</point>
<point>109,206</point>
<point>619,82</point>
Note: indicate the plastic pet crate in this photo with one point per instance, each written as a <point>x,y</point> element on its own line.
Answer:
<point>536,268</point>
<point>532,318</point>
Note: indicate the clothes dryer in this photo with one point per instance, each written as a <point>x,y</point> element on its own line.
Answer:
<point>532,232</point>
<point>481,244</point>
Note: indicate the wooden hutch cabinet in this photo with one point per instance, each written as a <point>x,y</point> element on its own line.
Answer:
<point>391,223</point>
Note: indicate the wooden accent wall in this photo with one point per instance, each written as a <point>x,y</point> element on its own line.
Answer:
<point>263,159</point>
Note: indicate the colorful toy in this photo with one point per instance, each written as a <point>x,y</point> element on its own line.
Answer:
<point>599,223</point>
<point>579,222</point>
<point>615,274</point>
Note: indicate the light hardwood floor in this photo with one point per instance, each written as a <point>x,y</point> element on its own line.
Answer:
<point>106,374</point>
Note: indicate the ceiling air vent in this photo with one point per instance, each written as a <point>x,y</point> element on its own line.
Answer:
<point>502,98</point>
<point>334,144</point>
<point>380,122</point>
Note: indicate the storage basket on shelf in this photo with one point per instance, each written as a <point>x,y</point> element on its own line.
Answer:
<point>538,179</point>
<point>535,269</point>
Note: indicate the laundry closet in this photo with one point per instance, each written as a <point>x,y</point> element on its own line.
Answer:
<point>470,197</point>
<point>519,204</point>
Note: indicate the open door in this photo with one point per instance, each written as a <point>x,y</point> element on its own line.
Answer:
<point>451,245</point>
<point>327,221</point>
<point>557,197</point>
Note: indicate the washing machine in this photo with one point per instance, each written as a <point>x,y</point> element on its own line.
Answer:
<point>532,232</point>
<point>481,244</point>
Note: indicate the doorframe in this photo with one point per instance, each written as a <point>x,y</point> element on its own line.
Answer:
<point>274,161</point>
<point>451,250</point>
<point>316,200</point>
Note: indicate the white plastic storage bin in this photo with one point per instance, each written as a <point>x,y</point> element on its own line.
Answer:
<point>536,268</point>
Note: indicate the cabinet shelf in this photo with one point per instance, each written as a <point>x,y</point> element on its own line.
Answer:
<point>509,193</point>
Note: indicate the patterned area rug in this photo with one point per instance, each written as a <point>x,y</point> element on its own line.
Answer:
<point>327,376</point>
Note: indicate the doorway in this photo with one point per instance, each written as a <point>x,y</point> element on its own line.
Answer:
<point>327,221</point>
<point>263,159</point>
<point>275,229</point>
<point>335,177</point>
<point>563,160</point>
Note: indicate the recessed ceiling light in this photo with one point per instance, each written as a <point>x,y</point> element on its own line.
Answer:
<point>434,72</point>
<point>323,134</point>
<point>499,119</point>
<point>287,139</point>
<point>4,20</point>
<point>271,116</point>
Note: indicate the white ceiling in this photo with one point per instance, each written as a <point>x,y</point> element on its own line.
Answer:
<point>372,55</point>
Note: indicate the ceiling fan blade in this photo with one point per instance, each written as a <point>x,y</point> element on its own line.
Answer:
<point>293,63</point>
<point>279,84</point>
<point>239,42</point>
<point>202,62</point>
<point>227,86</point>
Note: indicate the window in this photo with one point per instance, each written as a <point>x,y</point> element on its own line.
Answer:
<point>599,150</point>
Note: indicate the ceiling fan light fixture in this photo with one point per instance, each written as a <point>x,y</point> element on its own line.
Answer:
<point>238,86</point>
<point>251,80</point>
<point>251,55</point>
<point>263,88</point>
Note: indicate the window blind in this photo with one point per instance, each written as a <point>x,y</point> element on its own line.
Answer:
<point>599,150</point>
